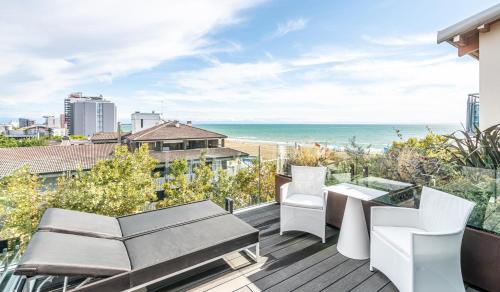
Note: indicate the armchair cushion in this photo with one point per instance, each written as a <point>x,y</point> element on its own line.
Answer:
<point>399,237</point>
<point>304,201</point>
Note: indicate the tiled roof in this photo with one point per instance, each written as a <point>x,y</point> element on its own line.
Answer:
<point>193,154</point>
<point>173,131</point>
<point>107,136</point>
<point>50,159</point>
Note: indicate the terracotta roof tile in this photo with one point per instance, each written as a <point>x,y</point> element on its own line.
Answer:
<point>107,136</point>
<point>50,159</point>
<point>169,131</point>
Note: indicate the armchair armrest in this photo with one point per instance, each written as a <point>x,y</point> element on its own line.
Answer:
<point>393,216</point>
<point>436,246</point>
<point>285,190</point>
<point>325,194</point>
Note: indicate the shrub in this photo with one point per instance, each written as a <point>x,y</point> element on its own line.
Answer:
<point>481,149</point>
<point>114,187</point>
<point>118,186</point>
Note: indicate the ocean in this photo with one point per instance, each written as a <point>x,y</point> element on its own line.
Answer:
<point>336,136</point>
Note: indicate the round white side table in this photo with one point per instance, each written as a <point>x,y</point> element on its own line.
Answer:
<point>353,238</point>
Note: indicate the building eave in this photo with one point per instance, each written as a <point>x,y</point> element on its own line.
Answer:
<point>469,24</point>
<point>464,35</point>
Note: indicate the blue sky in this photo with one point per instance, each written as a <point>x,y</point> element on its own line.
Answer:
<point>239,61</point>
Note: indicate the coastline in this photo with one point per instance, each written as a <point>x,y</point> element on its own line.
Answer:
<point>375,137</point>
<point>269,150</point>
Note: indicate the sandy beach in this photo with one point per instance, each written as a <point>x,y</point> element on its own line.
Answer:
<point>268,150</point>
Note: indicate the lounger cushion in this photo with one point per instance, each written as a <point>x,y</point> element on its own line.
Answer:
<point>171,250</point>
<point>135,224</point>
<point>74,222</point>
<point>50,253</point>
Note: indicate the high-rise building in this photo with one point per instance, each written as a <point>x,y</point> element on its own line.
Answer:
<point>142,121</point>
<point>87,115</point>
<point>25,122</point>
<point>472,120</point>
<point>62,121</point>
<point>52,122</point>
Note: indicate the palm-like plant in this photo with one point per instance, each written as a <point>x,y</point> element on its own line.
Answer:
<point>479,149</point>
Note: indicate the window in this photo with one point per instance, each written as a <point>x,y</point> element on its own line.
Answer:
<point>142,123</point>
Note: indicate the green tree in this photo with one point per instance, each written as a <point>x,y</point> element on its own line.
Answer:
<point>118,186</point>
<point>202,183</point>
<point>249,185</point>
<point>180,190</point>
<point>223,187</point>
<point>6,142</point>
<point>267,181</point>
<point>245,185</point>
<point>77,137</point>
<point>255,183</point>
<point>358,155</point>
<point>22,204</point>
<point>177,189</point>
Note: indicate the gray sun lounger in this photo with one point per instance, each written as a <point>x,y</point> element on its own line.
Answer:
<point>88,224</point>
<point>141,259</point>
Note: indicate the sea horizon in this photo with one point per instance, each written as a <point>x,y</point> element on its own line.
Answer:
<point>336,136</point>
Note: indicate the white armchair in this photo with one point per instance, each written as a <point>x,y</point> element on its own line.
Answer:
<point>419,249</point>
<point>303,201</point>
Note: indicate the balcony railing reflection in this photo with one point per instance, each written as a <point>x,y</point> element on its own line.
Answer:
<point>404,183</point>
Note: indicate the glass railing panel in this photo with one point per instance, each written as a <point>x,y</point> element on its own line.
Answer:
<point>249,181</point>
<point>8,261</point>
<point>403,178</point>
<point>478,185</point>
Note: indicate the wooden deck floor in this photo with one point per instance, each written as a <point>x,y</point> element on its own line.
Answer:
<point>295,261</point>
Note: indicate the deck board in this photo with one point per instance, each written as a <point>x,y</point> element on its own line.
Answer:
<point>296,261</point>
<point>376,282</point>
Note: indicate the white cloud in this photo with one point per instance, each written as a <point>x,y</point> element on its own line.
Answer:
<point>371,87</point>
<point>403,40</point>
<point>331,55</point>
<point>289,26</point>
<point>53,48</point>
<point>49,48</point>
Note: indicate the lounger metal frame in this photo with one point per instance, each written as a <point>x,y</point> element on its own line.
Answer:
<point>254,256</point>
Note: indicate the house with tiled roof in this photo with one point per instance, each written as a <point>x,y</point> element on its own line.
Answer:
<point>173,135</point>
<point>172,140</point>
<point>53,161</point>
<point>108,137</point>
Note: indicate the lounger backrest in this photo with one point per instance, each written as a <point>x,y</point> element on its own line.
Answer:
<point>135,224</point>
<point>75,222</point>
<point>50,253</point>
<point>88,224</point>
<point>308,180</point>
<point>440,211</point>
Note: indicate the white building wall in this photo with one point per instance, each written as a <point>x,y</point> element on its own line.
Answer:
<point>489,77</point>
<point>142,121</point>
<point>51,122</point>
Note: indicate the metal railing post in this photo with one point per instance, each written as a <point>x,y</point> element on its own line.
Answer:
<point>229,205</point>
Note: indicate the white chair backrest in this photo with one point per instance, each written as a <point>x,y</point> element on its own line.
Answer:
<point>440,211</point>
<point>308,180</point>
